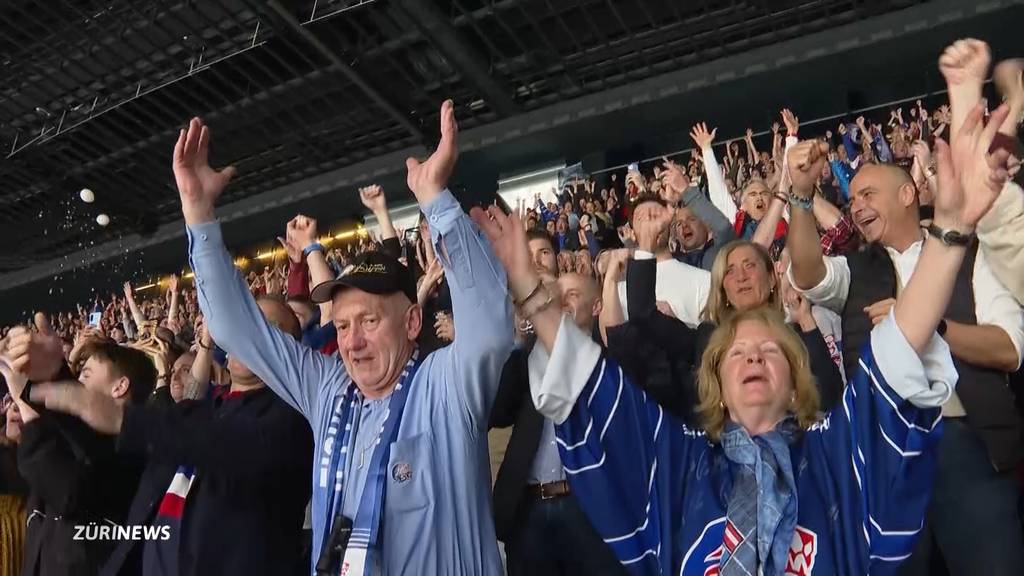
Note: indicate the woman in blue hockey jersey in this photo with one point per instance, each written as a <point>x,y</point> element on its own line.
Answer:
<point>766,487</point>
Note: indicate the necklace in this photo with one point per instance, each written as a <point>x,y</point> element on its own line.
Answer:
<point>369,445</point>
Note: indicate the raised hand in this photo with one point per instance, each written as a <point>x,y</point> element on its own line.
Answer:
<point>806,163</point>
<point>922,154</point>
<point>776,127</point>
<point>172,283</point>
<point>444,327</point>
<point>749,134</point>
<point>373,198</point>
<point>969,177</point>
<point>38,354</point>
<point>650,224</point>
<point>508,240</point>
<point>702,137</point>
<point>674,176</point>
<point>616,266</point>
<point>427,179</point>
<point>128,290</point>
<point>791,121</point>
<point>294,252</point>
<point>202,333</point>
<point>301,232</point>
<point>965,62</point>
<point>199,185</point>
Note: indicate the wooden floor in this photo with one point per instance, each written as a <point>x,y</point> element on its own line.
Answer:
<point>498,440</point>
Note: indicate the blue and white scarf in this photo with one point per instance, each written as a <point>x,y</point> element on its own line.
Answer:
<point>366,525</point>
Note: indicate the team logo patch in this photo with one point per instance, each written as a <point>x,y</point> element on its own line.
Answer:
<point>802,551</point>
<point>401,472</point>
<point>718,536</point>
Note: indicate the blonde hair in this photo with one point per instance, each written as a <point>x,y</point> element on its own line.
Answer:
<point>718,307</point>
<point>711,410</point>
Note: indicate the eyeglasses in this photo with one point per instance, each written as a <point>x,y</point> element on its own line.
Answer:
<point>6,402</point>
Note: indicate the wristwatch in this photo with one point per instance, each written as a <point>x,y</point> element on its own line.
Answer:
<point>950,237</point>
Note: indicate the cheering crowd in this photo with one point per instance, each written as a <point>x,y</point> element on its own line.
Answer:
<point>797,361</point>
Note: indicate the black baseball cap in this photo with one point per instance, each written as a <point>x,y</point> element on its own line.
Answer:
<point>373,272</point>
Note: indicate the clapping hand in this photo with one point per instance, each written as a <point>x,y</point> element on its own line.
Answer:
<point>428,178</point>
<point>199,185</point>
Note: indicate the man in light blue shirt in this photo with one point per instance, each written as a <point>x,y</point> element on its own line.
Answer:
<point>410,432</point>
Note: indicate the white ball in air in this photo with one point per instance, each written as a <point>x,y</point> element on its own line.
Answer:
<point>87,196</point>
<point>103,219</point>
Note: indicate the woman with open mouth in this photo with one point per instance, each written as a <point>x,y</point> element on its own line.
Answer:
<point>742,278</point>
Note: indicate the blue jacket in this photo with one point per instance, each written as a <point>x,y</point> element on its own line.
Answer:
<point>657,491</point>
<point>437,520</point>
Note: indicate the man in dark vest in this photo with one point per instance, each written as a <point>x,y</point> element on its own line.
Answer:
<point>972,518</point>
<point>544,530</point>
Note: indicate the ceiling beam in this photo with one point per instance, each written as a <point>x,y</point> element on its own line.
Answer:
<point>449,41</point>
<point>350,73</point>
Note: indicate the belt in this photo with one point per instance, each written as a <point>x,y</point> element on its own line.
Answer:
<point>549,490</point>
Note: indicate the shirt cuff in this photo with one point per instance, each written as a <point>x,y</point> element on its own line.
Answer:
<point>204,238</point>
<point>441,213</point>
<point>815,294</point>
<point>573,360</point>
<point>926,380</point>
<point>642,255</point>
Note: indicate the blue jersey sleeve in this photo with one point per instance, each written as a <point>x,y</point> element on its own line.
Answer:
<point>625,458</point>
<point>879,446</point>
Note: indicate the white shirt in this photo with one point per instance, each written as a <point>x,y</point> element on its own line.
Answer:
<point>993,303</point>
<point>684,287</point>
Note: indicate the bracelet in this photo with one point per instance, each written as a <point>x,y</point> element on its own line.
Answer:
<point>804,203</point>
<point>527,314</point>
<point>314,247</point>
<point>204,347</point>
<point>532,294</point>
<point>782,197</point>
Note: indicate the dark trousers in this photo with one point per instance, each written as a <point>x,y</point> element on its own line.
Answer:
<point>972,522</point>
<point>555,538</point>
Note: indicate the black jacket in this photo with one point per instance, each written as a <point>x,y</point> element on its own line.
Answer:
<point>253,458</point>
<point>75,478</point>
<point>513,406</point>
<point>662,353</point>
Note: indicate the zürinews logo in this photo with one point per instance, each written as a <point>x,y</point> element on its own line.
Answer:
<point>92,532</point>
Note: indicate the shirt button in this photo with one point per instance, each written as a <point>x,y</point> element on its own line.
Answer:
<point>433,218</point>
<point>204,236</point>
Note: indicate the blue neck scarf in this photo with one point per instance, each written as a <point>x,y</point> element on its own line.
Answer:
<point>365,536</point>
<point>762,509</point>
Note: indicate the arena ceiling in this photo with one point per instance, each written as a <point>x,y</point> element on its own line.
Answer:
<point>92,93</point>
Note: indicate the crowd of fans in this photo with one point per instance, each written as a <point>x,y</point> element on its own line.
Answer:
<point>682,349</point>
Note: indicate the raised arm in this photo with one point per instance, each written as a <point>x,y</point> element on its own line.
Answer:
<point>480,308</point>
<point>374,199</point>
<point>1001,232</point>
<point>807,159</point>
<point>301,232</point>
<point>137,315</point>
<point>172,313</point>
<point>969,181</point>
<point>202,366</point>
<point>717,190</point>
<point>292,371</point>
